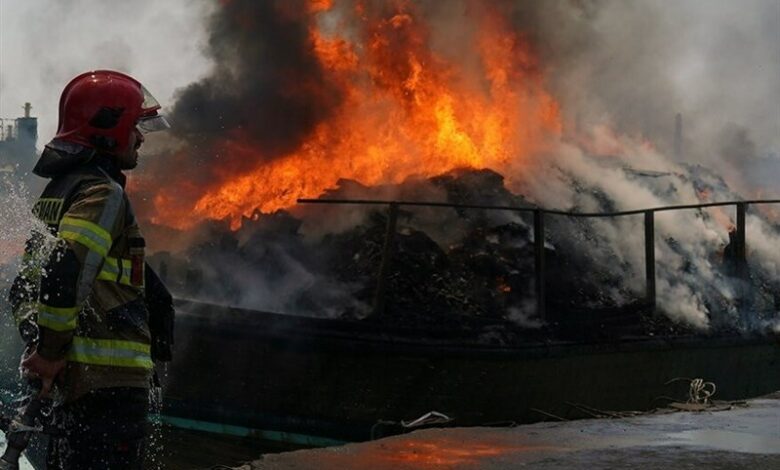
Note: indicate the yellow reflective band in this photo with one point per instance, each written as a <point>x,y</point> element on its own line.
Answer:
<point>86,241</point>
<point>58,319</point>
<point>94,228</point>
<point>93,236</point>
<point>110,352</point>
<point>110,271</point>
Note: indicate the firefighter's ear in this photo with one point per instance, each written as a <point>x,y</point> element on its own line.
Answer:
<point>103,142</point>
<point>106,118</point>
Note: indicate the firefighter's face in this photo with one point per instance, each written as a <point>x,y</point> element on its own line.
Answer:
<point>128,159</point>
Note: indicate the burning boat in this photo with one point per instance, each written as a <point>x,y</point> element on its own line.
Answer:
<point>308,381</point>
<point>313,324</point>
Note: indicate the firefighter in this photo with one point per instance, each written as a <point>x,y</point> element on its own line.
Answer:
<point>90,306</point>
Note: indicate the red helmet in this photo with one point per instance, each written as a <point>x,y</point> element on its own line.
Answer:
<point>100,109</point>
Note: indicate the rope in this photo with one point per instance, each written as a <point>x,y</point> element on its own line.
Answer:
<point>432,417</point>
<point>701,391</point>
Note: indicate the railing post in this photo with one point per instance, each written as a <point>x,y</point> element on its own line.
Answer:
<point>740,262</point>
<point>384,266</point>
<point>650,257</point>
<point>541,305</point>
<point>740,251</point>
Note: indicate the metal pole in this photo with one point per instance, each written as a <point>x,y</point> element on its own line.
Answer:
<point>541,307</point>
<point>387,254</point>
<point>650,257</point>
<point>740,254</point>
<point>741,248</point>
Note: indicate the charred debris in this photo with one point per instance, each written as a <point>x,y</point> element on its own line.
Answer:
<point>453,269</point>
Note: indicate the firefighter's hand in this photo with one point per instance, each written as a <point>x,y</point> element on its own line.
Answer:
<point>45,370</point>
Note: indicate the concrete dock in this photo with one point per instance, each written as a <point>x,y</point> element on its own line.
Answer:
<point>733,437</point>
<point>739,436</point>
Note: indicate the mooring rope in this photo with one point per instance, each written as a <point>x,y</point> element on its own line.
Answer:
<point>699,391</point>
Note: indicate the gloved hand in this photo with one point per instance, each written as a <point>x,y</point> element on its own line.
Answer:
<point>44,369</point>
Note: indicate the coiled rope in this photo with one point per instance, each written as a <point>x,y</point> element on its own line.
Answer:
<point>699,391</point>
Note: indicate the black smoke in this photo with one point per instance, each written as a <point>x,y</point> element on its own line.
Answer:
<point>266,88</point>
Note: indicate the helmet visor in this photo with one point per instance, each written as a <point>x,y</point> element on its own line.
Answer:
<point>150,121</point>
<point>150,102</point>
<point>153,124</point>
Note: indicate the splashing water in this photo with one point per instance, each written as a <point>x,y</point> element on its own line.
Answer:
<point>17,225</point>
<point>17,221</point>
<point>155,441</point>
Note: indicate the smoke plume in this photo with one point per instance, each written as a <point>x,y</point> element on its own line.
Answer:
<point>266,86</point>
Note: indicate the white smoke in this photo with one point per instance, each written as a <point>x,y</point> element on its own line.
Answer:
<point>688,244</point>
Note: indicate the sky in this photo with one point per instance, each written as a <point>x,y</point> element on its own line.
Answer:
<point>45,43</point>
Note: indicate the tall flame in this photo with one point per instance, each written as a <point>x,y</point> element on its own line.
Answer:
<point>406,110</point>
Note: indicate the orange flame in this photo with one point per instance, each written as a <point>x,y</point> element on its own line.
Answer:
<point>406,110</point>
<point>718,213</point>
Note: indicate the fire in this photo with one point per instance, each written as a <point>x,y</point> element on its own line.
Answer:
<point>407,110</point>
<point>320,5</point>
<point>718,213</point>
<point>503,286</point>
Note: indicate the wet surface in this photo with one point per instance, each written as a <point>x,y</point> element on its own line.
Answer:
<point>23,464</point>
<point>185,449</point>
<point>742,437</point>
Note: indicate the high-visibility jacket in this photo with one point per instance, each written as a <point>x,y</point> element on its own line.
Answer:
<point>88,299</point>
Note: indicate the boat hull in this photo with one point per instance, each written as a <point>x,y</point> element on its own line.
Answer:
<point>312,382</point>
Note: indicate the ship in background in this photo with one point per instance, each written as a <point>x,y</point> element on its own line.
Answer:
<point>18,138</point>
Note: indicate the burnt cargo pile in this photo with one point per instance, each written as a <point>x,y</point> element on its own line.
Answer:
<point>453,267</point>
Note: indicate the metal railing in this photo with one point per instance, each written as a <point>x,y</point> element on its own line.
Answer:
<point>538,229</point>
